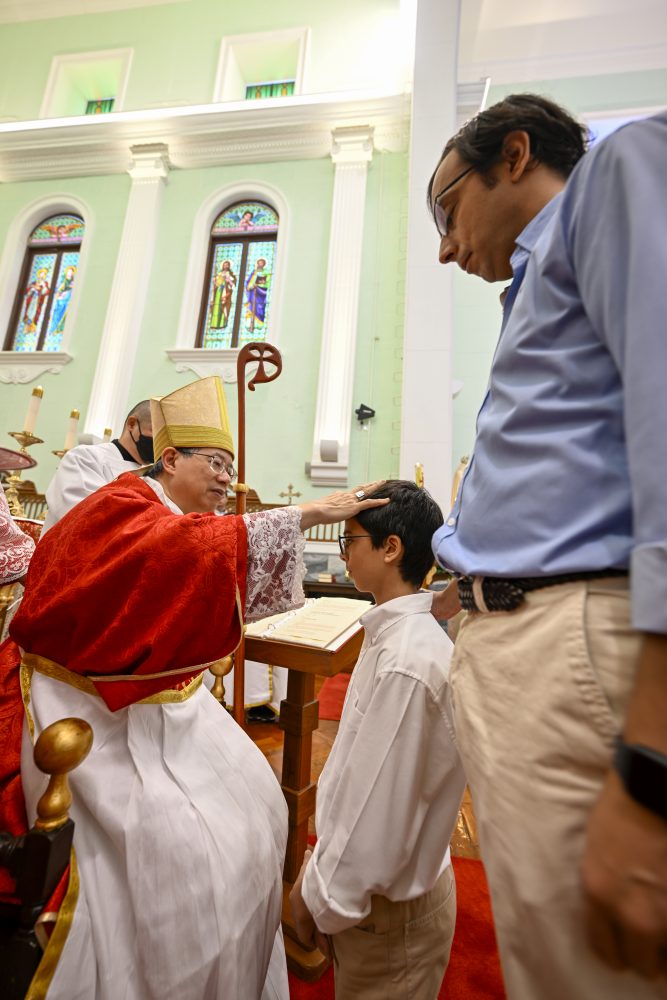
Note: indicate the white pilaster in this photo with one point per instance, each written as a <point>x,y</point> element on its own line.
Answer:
<point>352,151</point>
<point>109,396</point>
<point>426,417</point>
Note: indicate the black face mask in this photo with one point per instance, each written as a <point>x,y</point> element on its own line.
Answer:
<point>144,445</point>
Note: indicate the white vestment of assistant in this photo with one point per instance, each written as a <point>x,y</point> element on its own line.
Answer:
<point>82,471</point>
<point>181,828</point>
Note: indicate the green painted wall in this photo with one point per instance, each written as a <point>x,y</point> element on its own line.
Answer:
<point>176,48</point>
<point>106,198</point>
<point>477,308</point>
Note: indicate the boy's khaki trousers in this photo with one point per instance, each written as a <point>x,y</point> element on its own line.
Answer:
<point>400,950</point>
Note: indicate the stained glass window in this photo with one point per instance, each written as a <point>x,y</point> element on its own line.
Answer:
<point>102,107</point>
<point>45,288</point>
<point>236,303</point>
<point>272,88</point>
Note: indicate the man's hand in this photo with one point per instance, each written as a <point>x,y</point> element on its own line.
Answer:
<point>625,882</point>
<point>303,921</point>
<point>446,602</point>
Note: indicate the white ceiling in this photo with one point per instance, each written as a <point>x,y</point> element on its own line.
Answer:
<point>514,40</point>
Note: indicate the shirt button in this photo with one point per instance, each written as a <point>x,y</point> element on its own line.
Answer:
<point>451,521</point>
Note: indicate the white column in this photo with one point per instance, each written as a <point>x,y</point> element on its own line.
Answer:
<point>109,401</point>
<point>426,417</point>
<point>352,151</point>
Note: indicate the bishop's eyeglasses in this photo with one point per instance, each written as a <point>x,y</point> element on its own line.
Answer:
<point>217,464</point>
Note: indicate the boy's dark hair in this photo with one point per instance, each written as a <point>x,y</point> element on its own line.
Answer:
<point>556,138</point>
<point>414,516</point>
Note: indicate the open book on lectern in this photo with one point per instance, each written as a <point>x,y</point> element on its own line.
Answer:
<point>324,622</point>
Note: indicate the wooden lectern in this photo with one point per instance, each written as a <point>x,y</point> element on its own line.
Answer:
<point>298,719</point>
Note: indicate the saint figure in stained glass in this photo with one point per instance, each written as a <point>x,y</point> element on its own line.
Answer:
<point>61,301</point>
<point>256,292</point>
<point>34,300</point>
<point>224,285</point>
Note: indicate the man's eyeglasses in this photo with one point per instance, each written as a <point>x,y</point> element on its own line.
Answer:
<point>344,541</point>
<point>440,213</point>
<point>217,464</point>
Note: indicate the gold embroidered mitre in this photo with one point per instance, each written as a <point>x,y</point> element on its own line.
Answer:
<point>192,417</point>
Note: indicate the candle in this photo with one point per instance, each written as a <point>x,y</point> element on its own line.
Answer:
<point>419,475</point>
<point>107,435</point>
<point>33,407</point>
<point>70,437</point>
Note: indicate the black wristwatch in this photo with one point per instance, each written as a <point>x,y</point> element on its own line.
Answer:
<point>643,772</point>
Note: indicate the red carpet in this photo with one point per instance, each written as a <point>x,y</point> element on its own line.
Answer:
<point>474,968</point>
<point>332,696</point>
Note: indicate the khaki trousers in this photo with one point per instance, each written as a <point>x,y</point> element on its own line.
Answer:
<point>539,696</point>
<point>400,950</point>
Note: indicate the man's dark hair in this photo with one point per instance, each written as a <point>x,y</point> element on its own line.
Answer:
<point>414,516</point>
<point>556,138</point>
<point>140,410</point>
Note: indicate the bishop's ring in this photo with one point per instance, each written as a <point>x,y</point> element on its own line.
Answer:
<point>360,494</point>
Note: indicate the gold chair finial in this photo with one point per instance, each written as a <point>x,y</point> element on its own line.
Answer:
<point>220,669</point>
<point>60,748</point>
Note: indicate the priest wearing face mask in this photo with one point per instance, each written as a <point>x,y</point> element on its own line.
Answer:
<point>88,466</point>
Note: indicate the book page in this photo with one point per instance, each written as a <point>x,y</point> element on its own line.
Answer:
<point>319,623</point>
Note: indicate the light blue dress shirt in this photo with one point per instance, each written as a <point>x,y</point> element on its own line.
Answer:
<point>569,471</point>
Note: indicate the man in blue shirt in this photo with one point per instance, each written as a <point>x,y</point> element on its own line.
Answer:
<point>560,672</point>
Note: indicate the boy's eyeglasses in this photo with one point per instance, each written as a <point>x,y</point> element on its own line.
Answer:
<point>344,540</point>
<point>217,464</point>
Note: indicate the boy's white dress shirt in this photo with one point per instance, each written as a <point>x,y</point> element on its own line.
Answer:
<point>389,794</point>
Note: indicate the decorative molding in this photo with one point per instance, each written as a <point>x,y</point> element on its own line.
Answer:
<point>129,288</point>
<point>595,62</point>
<point>199,136</point>
<point>329,473</point>
<point>204,361</point>
<point>19,367</point>
<point>42,10</point>
<point>351,152</point>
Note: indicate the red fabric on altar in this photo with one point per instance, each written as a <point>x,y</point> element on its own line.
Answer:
<point>121,585</point>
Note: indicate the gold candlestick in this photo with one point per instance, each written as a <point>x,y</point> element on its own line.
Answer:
<point>26,440</point>
<point>60,453</point>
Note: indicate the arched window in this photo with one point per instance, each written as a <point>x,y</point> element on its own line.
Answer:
<point>45,287</point>
<point>236,301</point>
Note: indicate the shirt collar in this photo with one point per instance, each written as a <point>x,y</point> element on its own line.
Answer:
<point>381,616</point>
<point>158,489</point>
<point>530,234</point>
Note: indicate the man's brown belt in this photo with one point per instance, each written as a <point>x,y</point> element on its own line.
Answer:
<point>495,593</point>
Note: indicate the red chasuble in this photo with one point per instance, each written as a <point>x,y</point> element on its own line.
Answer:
<point>121,585</point>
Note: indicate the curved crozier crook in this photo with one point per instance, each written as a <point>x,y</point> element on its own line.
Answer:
<point>263,353</point>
